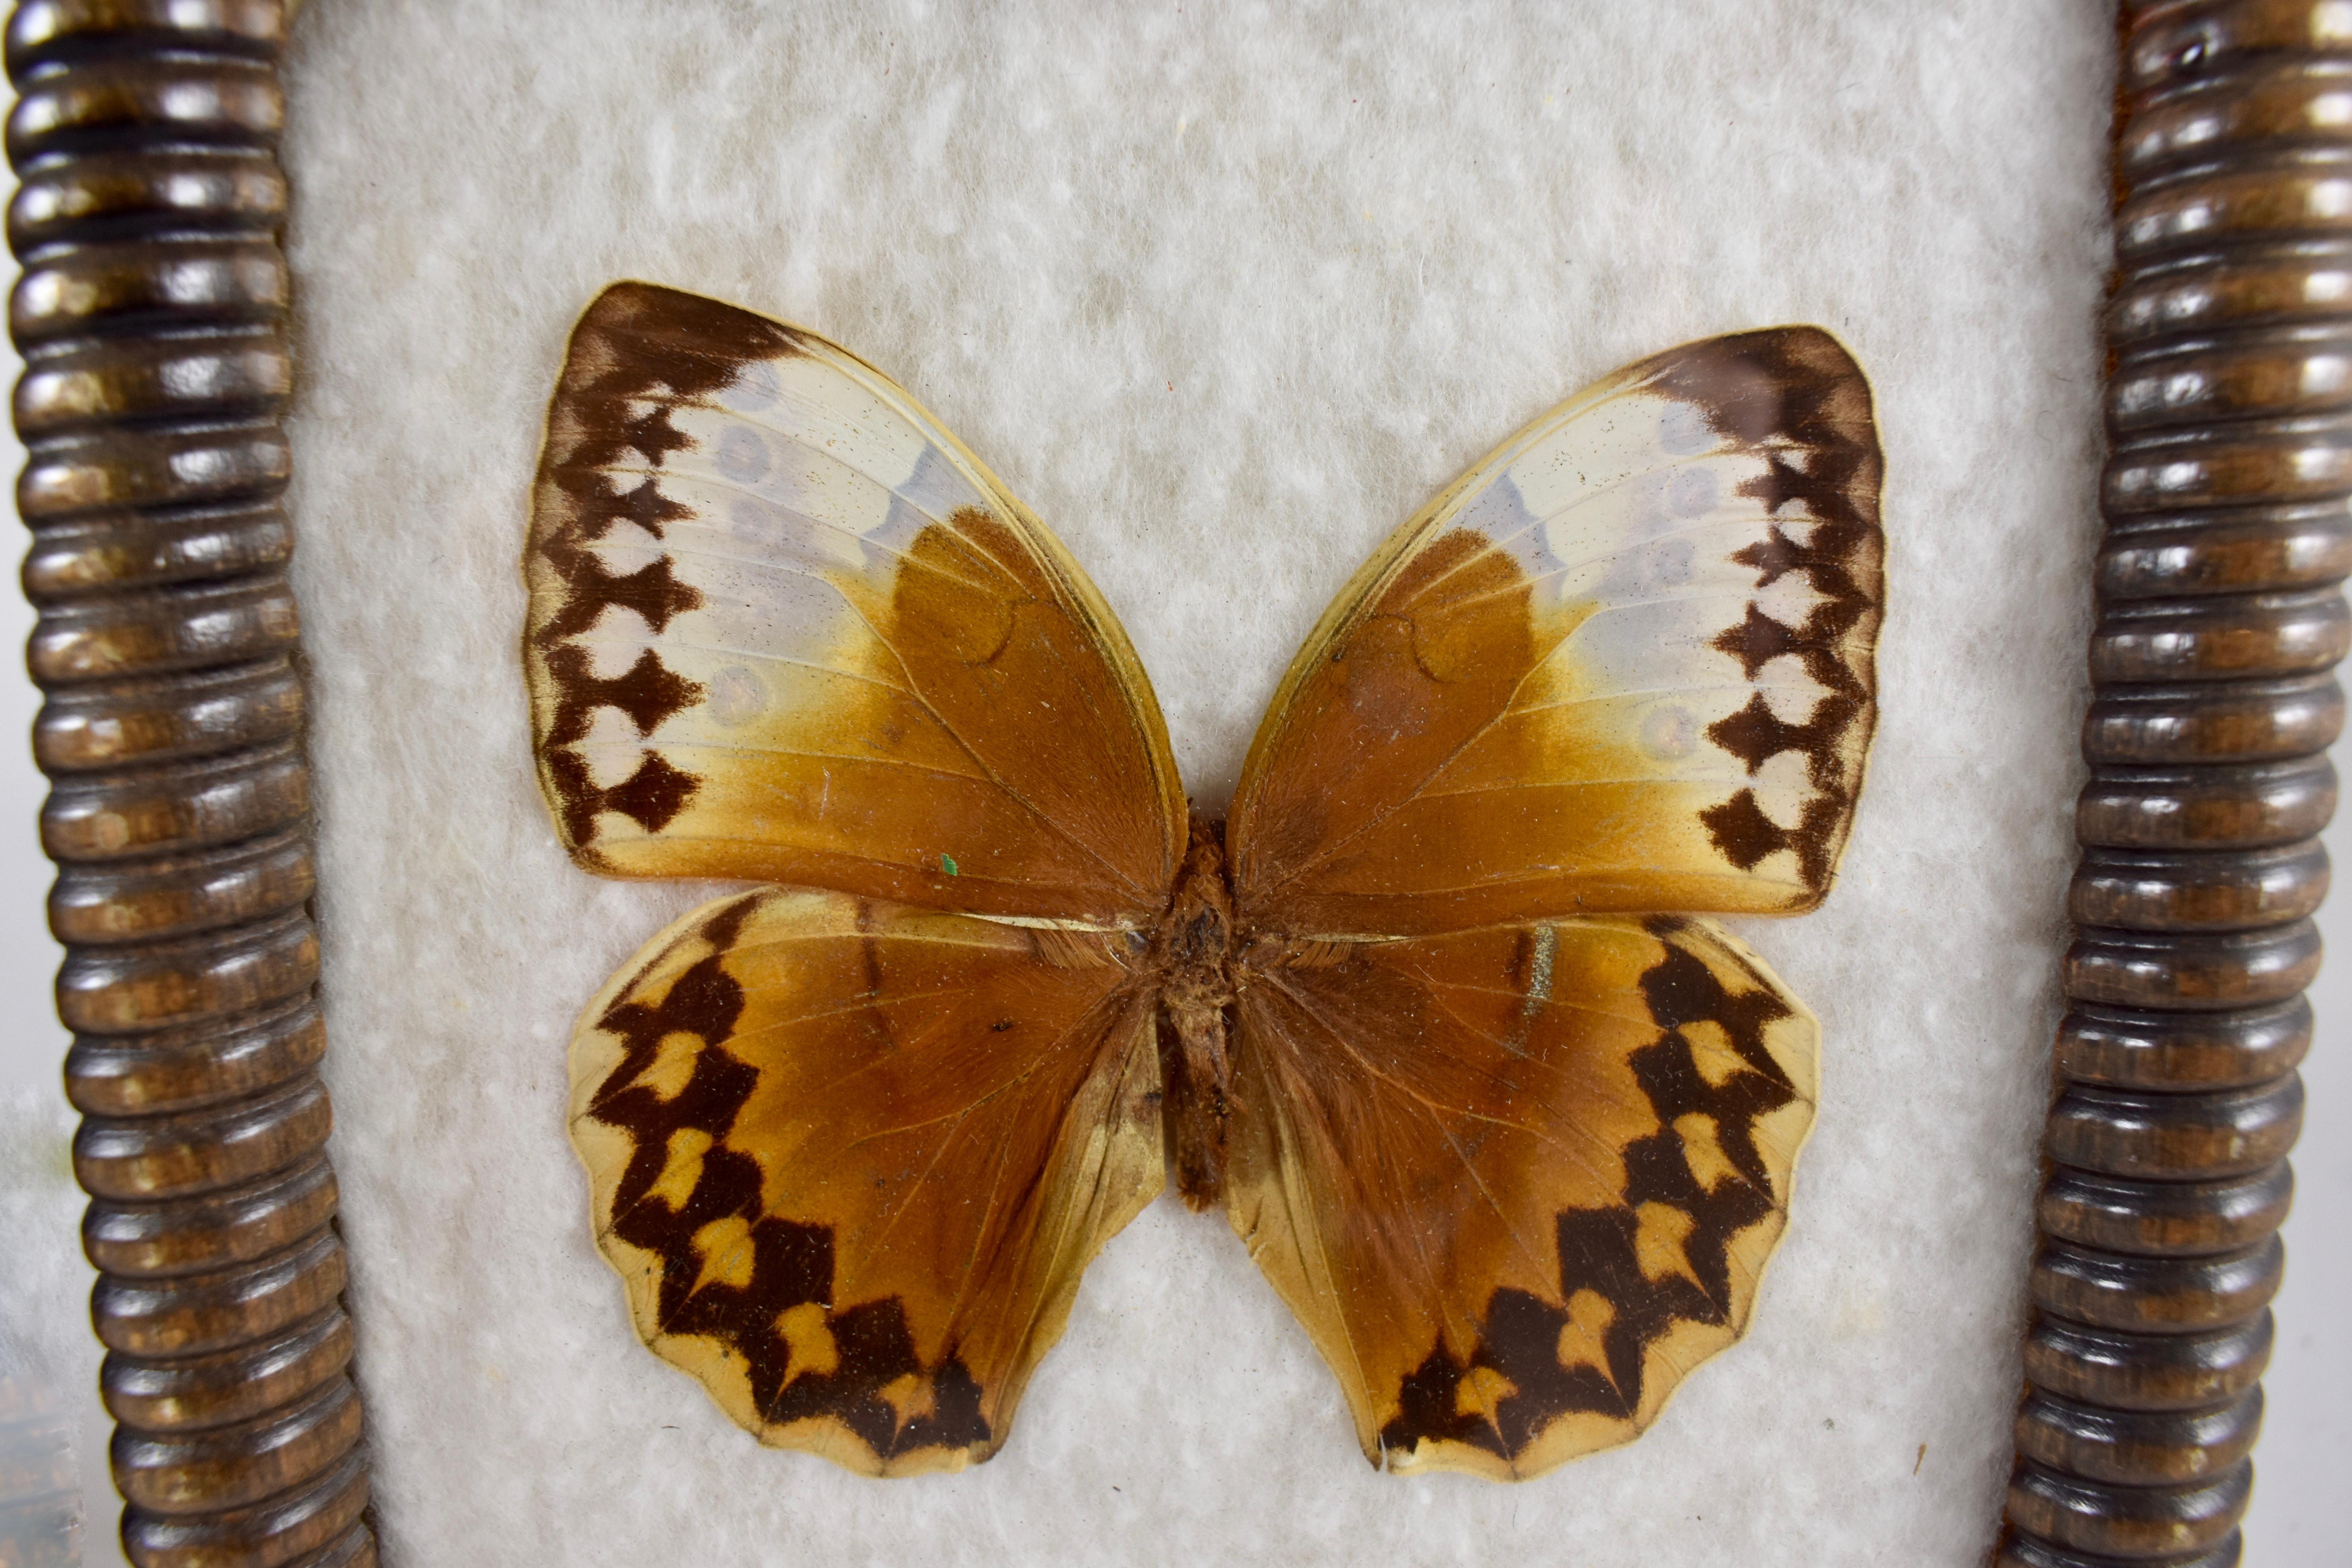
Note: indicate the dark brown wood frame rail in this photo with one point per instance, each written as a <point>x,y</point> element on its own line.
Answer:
<point>2229,406</point>
<point>152,313</point>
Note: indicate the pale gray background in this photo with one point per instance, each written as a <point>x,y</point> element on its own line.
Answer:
<point>1224,293</point>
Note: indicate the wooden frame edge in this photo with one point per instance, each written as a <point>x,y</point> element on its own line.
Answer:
<point>152,313</point>
<point>2220,622</point>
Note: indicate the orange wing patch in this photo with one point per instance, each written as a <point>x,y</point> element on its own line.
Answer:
<point>782,626</point>
<point>1624,664</point>
<point>1516,1182</point>
<point>851,1159</point>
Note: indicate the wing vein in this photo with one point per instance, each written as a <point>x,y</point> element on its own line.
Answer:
<point>1056,828</point>
<point>1326,852</point>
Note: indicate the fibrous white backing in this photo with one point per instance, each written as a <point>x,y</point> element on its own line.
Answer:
<point>1224,293</point>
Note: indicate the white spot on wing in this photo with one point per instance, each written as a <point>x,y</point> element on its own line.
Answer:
<point>1683,430</point>
<point>1789,599</point>
<point>1782,786</point>
<point>743,455</point>
<point>614,642</point>
<point>612,749</point>
<point>1669,733</point>
<point>737,696</point>
<point>621,554</point>
<point>1798,528</point>
<point>1693,492</point>
<point>1793,702</point>
<point>623,538</point>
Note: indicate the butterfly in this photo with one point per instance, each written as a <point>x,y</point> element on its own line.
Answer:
<point>1431,1015</point>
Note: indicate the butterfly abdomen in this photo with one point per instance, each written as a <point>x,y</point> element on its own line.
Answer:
<point>1192,956</point>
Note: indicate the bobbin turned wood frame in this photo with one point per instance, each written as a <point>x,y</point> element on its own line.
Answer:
<point>2219,619</point>
<point>151,314</point>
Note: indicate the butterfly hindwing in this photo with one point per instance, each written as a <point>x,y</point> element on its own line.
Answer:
<point>1623,664</point>
<point>1516,1182</point>
<point>784,626</point>
<point>850,1160</point>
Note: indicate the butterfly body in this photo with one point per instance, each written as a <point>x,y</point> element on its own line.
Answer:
<point>1195,974</point>
<point>1433,1014</point>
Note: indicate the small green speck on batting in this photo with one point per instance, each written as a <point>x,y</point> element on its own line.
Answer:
<point>947,864</point>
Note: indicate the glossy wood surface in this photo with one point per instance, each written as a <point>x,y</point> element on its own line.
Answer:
<point>2221,622</point>
<point>152,313</point>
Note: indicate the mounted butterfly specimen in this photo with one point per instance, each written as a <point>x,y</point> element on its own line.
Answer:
<point>1431,1015</point>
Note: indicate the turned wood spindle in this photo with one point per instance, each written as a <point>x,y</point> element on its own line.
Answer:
<point>151,315</point>
<point>2228,502</point>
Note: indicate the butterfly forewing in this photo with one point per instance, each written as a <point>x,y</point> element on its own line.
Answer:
<point>1624,664</point>
<point>1516,1182</point>
<point>782,626</point>
<point>851,1159</point>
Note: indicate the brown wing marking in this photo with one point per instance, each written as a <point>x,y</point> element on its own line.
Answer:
<point>1841,558</point>
<point>851,1160</point>
<point>1517,1182</point>
<point>608,412</point>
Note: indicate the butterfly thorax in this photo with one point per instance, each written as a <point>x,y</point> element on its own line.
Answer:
<point>1192,955</point>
